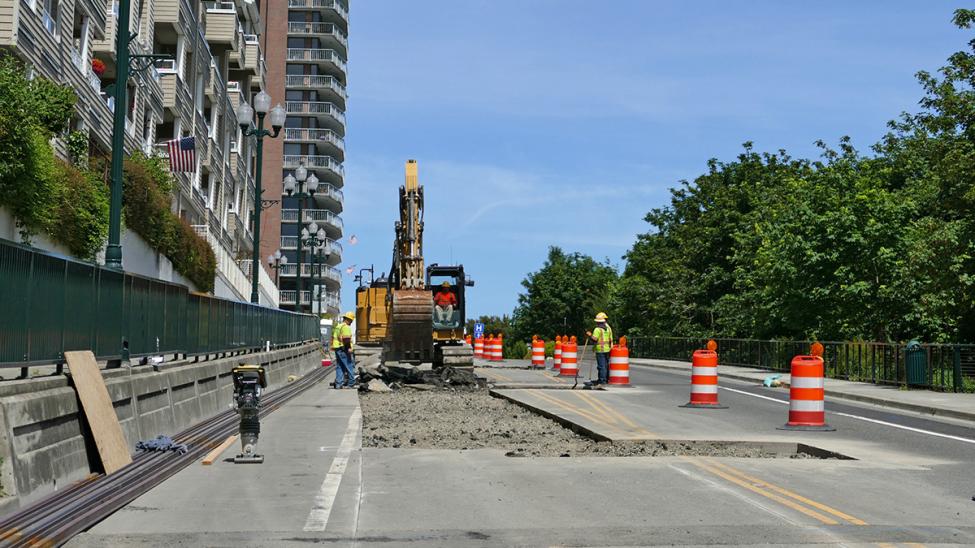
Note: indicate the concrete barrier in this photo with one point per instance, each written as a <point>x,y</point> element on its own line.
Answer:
<point>43,440</point>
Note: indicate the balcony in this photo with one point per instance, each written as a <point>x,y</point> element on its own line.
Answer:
<point>322,272</point>
<point>325,167</point>
<point>327,140</point>
<point>327,85</point>
<point>332,248</point>
<point>251,54</point>
<point>222,24</point>
<point>215,85</point>
<point>328,59</point>
<point>331,36</point>
<point>234,94</point>
<point>326,113</point>
<point>330,9</point>
<point>326,219</point>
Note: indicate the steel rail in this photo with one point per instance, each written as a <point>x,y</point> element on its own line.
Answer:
<point>53,520</point>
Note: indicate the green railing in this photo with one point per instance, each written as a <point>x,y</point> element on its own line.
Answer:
<point>51,304</point>
<point>946,367</point>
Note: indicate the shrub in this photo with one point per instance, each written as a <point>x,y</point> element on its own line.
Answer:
<point>517,350</point>
<point>82,211</point>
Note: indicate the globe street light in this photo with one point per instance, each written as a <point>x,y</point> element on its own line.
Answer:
<point>301,185</point>
<point>277,261</point>
<point>245,119</point>
<point>314,238</point>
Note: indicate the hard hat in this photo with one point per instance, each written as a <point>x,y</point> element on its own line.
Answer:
<point>349,316</point>
<point>601,317</point>
<point>445,284</point>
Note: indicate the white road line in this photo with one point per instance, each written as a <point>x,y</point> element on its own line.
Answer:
<point>858,417</point>
<point>908,428</point>
<point>318,517</point>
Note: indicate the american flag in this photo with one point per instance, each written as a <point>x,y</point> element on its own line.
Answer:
<point>182,154</point>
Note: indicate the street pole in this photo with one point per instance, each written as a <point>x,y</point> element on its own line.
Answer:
<point>256,262</point>
<point>301,224</point>
<point>113,253</point>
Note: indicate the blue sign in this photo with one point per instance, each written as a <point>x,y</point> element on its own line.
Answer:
<point>478,330</point>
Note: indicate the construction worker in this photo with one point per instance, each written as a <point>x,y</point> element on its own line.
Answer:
<point>342,348</point>
<point>445,301</point>
<point>602,338</point>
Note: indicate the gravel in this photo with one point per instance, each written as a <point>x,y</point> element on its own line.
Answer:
<point>449,419</point>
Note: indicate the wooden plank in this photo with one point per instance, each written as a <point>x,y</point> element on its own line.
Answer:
<point>97,405</point>
<point>215,454</point>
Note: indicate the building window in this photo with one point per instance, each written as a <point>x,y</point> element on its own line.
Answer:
<point>49,15</point>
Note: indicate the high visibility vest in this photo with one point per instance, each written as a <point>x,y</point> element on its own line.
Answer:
<point>341,331</point>
<point>604,338</point>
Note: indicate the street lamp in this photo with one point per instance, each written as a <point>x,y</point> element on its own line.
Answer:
<point>277,261</point>
<point>301,185</point>
<point>245,119</point>
<point>311,237</point>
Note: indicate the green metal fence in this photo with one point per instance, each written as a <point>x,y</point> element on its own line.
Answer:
<point>946,367</point>
<point>51,304</point>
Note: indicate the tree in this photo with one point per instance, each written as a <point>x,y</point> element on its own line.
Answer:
<point>563,296</point>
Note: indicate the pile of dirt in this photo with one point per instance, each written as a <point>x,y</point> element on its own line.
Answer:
<point>375,376</point>
<point>450,419</point>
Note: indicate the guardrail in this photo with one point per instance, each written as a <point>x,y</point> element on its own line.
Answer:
<point>944,367</point>
<point>54,304</point>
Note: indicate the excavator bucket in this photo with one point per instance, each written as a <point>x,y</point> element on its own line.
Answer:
<point>410,337</point>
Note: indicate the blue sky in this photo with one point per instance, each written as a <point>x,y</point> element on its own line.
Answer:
<point>562,122</point>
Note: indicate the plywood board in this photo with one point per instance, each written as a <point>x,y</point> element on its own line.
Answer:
<point>97,405</point>
<point>215,454</point>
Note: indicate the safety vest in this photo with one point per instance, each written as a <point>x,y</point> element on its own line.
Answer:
<point>604,338</point>
<point>341,331</point>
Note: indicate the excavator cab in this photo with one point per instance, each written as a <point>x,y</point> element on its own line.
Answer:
<point>447,284</point>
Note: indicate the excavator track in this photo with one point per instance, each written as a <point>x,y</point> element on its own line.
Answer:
<point>411,327</point>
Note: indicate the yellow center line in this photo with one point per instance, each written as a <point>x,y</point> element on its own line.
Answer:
<point>772,496</point>
<point>915,544</point>
<point>782,491</point>
<point>573,409</point>
<point>599,411</point>
<point>639,429</point>
<point>885,545</point>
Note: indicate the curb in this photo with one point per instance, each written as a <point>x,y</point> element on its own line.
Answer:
<point>922,409</point>
<point>574,426</point>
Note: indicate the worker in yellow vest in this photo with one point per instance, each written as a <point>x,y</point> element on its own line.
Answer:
<point>602,338</point>
<point>342,348</point>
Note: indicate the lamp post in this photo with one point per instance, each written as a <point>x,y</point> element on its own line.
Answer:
<point>125,64</point>
<point>277,261</point>
<point>301,185</point>
<point>311,237</point>
<point>245,119</point>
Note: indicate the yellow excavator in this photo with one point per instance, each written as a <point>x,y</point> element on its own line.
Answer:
<point>409,324</point>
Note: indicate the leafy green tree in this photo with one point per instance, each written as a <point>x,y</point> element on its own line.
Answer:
<point>563,296</point>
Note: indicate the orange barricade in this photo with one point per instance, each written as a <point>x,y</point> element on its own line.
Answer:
<point>489,348</point>
<point>538,352</point>
<point>499,348</point>
<point>570,358</point>
<point>704,380</point>
<point>807,410</point>
<point>479,347</point>
<point>557,364</point>
<point>619,364</point>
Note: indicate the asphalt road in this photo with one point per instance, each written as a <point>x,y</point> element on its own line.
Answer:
<point>906,488</point>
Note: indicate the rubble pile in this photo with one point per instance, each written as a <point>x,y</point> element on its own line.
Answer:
<point>375,376</point>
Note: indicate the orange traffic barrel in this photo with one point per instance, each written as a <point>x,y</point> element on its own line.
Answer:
<point>570,358</point>
<point>538,352</point>
<point>479,347</point>
<point>704,380</point>
<point>619,363</point>
<point>489,347</point>
<point>497,349</point>
<point>467,339</point>
<point>807,408</point>
<point>557,361</point>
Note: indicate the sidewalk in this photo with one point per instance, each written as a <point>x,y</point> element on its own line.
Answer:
<point>943,404</point>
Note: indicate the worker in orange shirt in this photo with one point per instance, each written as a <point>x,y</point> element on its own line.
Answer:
<point>445,301</point>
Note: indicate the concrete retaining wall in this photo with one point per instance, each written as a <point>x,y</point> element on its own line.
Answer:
<point>42,438</point>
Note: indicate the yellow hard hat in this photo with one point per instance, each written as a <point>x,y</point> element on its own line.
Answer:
<point>445,284</point>
<point>349,316</point>
<point>601,317</point>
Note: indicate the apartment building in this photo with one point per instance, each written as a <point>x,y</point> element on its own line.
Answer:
<point>217,64</point>
<point>309,71</point>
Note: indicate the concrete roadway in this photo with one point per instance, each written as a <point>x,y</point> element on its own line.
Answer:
<point>907,487</point>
